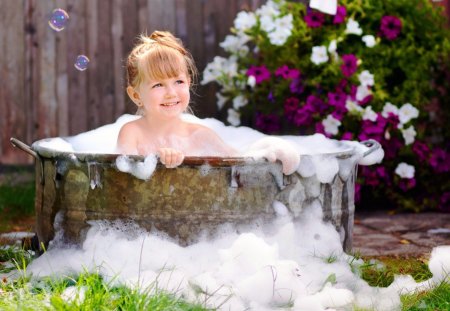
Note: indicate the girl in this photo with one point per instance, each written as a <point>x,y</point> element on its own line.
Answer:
<point>160,72</point>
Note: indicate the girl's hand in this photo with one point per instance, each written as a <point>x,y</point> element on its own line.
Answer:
<point>170,157</point>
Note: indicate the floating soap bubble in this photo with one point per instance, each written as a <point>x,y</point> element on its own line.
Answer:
<point>82,62</point>
<point>58,19</point>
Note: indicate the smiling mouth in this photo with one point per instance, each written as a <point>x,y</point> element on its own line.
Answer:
<point>170,104</point>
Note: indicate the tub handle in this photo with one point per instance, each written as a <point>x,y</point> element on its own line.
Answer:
<point>22,146</point>
<point>372,144</point>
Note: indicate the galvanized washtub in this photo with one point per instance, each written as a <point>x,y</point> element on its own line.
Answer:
<point>201,194</point>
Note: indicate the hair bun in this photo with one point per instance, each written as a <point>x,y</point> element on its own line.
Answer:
<point>159,36</point>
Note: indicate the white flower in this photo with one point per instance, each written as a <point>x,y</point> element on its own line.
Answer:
<point>369,114</point>
<point>239,101</point>
<point>407,112</point>
<point>352,27</point>
<point>234,117</point>
<point>389,108</point>
<point>331,125</point>
<point>236,44</point>
<point>405,170</point>
<point>221,100</point>
<point>319,55</point>
<point>366,78</point>
<point>409,135</point>
<point>362,92</point>
<point>218,67</point>
<point>269,9</point>
<point>353,106</point>
<point>369,40</point>
<point>282,30</point>
<point>325,6</point>
<point>332,49</point>
<point>267,23</point>
<point>244,20</point>
<point>251,81</point>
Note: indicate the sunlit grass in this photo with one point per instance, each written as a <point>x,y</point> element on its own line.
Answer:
<point>381,271</point>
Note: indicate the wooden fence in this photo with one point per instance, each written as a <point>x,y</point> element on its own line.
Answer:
<point>43,95</point>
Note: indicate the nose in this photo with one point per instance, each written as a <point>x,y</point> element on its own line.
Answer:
<point>170,91</point>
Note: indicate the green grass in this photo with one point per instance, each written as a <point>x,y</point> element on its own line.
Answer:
<point>16,202</point>
<point>380,272</point>
<point>89,291</point>
<point>437,299</point>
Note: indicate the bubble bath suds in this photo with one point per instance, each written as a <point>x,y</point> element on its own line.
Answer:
<point>297,263</point>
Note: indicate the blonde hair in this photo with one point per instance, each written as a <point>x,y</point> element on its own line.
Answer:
<point>159,56</point>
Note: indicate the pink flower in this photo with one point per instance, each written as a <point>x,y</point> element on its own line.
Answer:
<point>314,19</point>
<point>341,13</point>
<point>421,150</point>
<point>439,161</point>
<point>391,27</point>
<point>261,73</point>
<point>287,73</point>
<point>349,65</point>
<point>407,183</point>
<point>347,136</point>
<point>291,104</point>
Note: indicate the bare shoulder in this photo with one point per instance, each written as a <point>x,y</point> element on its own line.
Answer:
<point>129,129</point>
<point>128,137</point>
<point>209,140</point>
<point>201,130</point>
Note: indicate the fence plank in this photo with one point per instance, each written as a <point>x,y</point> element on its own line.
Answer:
<point>78,80</point>
<point>12,68</point>
<point>161,15</point>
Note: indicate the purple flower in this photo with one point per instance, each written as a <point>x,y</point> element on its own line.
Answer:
<point>270,97</point>
<point>303,116</point>
<point>407,183</point>
<point>439,161</point>
<point>370,177</point>
<point>261,73</point>
<point>314,19</point>
<point>291,104</point>
<point>296,86</point>
<point>287,73</point>
<point>391,27</point>
<point>347,136</point>
<point>337,99</point>
<point>268,123</point>
<point>339,18</point>
<point>316,103</point>
<point>444,202</point>
<point>349,65</point>
<point>421,150</point>
<point>391,147</point>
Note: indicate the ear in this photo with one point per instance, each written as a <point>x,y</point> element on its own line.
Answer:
<point>134,95</point>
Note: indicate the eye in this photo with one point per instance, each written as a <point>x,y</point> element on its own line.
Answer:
<point>179,81</point>
<point>156,85</point>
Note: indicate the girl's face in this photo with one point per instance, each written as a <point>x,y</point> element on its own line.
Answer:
<point>165,98</point>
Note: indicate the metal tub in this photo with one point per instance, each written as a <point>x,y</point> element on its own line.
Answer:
<point>199,196</point>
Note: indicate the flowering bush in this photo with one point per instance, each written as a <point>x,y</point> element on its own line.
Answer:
<point>375,69</point>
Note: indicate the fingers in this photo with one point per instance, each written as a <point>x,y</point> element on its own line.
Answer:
<point>170,157</point>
